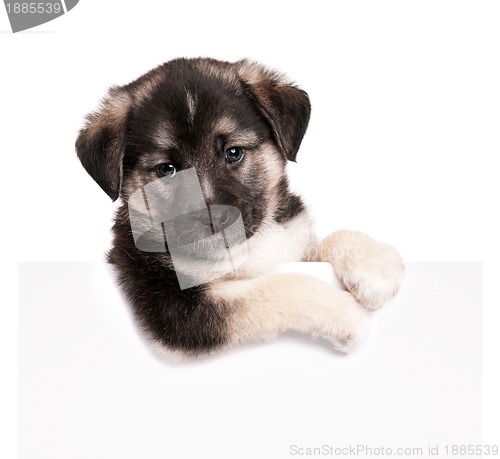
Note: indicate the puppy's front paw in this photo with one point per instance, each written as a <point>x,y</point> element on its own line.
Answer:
<point>372,271</point>
<point>348,327</point>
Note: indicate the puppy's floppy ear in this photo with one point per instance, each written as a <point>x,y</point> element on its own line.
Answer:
<point>285,107</point>
<point>101,143</point>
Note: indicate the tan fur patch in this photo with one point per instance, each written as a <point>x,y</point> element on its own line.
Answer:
<point>236,136</point>
<point>162,136</point>
<point>251,72</point>
<point>268,305</point>
<point>268,158</point>
<point>270,161</point>
<point>220,70</point>
<point>275,169</point>
<point>111,114</point>
<point>143,173</point>
<point>254,73</point>
<point>226,125</point>
<point>147,162</point>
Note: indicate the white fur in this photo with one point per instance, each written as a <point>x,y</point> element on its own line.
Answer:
<point>191,104</point>
<point>275,244</point>
<point>262,254</point>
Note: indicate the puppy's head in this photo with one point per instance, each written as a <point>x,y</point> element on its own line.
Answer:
<point>234,124</point>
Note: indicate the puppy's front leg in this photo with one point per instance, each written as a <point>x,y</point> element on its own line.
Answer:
<point>268,305</point>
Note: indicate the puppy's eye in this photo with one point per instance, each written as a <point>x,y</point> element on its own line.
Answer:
<point>234,154</point>
<point>165,170</point>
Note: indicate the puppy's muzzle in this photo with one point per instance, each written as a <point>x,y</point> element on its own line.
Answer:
<point>215,218</point>
<point>172,214</point>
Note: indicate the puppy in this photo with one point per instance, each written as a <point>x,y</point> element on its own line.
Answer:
<point>196,149</point>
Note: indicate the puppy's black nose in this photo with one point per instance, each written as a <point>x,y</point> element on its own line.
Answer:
<point>216,218</point>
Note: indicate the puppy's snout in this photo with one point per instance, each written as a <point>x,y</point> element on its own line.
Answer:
<point>217,218</point>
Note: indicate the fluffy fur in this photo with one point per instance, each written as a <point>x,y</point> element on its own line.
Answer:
<point>188,112</point>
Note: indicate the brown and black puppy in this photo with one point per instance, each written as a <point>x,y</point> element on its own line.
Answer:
<point>234,126</point>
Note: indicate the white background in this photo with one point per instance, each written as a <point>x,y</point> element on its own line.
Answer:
<point>401,144</point>
<point>89,387</point>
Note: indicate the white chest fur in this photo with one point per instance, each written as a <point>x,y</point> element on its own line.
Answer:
<point>276,244</point>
